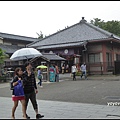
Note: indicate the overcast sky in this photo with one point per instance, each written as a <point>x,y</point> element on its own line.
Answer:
<point>25,18</point>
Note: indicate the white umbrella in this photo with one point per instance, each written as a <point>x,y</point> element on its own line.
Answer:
<point>25,53</point>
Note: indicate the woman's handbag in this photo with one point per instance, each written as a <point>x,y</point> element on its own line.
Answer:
<point>40,77</point>
<point>18,89</point>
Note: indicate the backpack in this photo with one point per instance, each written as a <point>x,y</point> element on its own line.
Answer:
<point>11,85</point>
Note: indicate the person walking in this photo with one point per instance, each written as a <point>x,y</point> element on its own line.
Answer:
<point>74,69</point>
<point>30,88</point>
<point>63,69</point>
<point>39,75</point>
<point>57,73</point>
<point>18,92</point>
<point>67,68</point>
<point>52,73</point>
<point>83,70</point>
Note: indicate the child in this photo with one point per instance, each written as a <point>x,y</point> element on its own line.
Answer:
<point>18,92</point>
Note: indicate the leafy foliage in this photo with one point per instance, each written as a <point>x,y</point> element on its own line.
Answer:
<point>111,26</point>
<point>40,36</point>
<point>2,56</point>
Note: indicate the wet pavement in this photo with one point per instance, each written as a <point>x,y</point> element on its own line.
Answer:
<point>53,109</point>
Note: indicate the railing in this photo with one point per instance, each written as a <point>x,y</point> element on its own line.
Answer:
<point>100,67</point>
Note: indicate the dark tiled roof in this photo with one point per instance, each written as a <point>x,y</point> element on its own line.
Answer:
<point>81,31</point>
<point>60,45</point>
<point>52,56</point>
<point>49,57</point>
<point>9,48</point>
<point>17,37</point>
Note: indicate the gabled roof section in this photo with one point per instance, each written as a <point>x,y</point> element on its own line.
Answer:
<point>49,57</point>
<point>17,37</point>
<point>61,45</point>
<point>79,32</point>
<point>10,48</point>
<point>53,56</point>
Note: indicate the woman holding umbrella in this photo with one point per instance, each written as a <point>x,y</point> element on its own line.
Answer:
<point>30,88</point>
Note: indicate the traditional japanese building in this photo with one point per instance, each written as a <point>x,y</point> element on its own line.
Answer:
<point>10,43</point>
<point>83,42</point>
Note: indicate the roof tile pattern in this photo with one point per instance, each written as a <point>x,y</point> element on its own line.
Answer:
<point>81,31</point>
<point>17,37</point>
<point>9,48</point>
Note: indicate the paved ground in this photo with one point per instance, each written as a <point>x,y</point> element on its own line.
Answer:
<point>55,110</point>
<point>53,106</point>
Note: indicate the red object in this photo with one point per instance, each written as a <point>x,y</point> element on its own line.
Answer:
<point>18,98</point>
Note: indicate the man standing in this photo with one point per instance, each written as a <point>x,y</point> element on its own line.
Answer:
<point>83,70</point>
<point>30,88</point>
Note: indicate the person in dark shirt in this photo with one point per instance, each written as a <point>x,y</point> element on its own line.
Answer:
<point>30,88</point>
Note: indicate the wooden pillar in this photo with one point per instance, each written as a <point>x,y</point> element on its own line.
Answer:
<point>104,57</point>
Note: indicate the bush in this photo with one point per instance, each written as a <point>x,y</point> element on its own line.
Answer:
<point>78,73</point>
<point>3,79</point>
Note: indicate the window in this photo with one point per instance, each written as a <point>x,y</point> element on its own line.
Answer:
<point>109,59</point>
<point>93,58</point>
<point>117,57</point>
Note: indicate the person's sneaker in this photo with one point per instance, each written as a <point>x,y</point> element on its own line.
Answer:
<point>28,117</point>
<point>39,116</point>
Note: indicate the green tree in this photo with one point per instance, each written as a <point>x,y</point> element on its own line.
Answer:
<point>97,22</point>
<point>40,36</point>
<point>3,55</point>
<point>111,26</point>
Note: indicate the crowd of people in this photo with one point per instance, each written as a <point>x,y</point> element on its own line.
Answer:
<point>25,88</point>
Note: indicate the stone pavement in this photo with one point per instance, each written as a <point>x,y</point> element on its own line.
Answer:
<point>64,110</point>
<point>57,110</point>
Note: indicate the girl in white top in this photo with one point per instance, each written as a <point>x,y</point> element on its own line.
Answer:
<point>74,69</point>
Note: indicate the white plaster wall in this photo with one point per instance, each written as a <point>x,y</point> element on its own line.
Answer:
<point>21,45</point>
<point>1,41</point>
<point>7,43</point>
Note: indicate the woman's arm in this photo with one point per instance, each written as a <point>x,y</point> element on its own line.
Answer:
<point>16,80</point>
